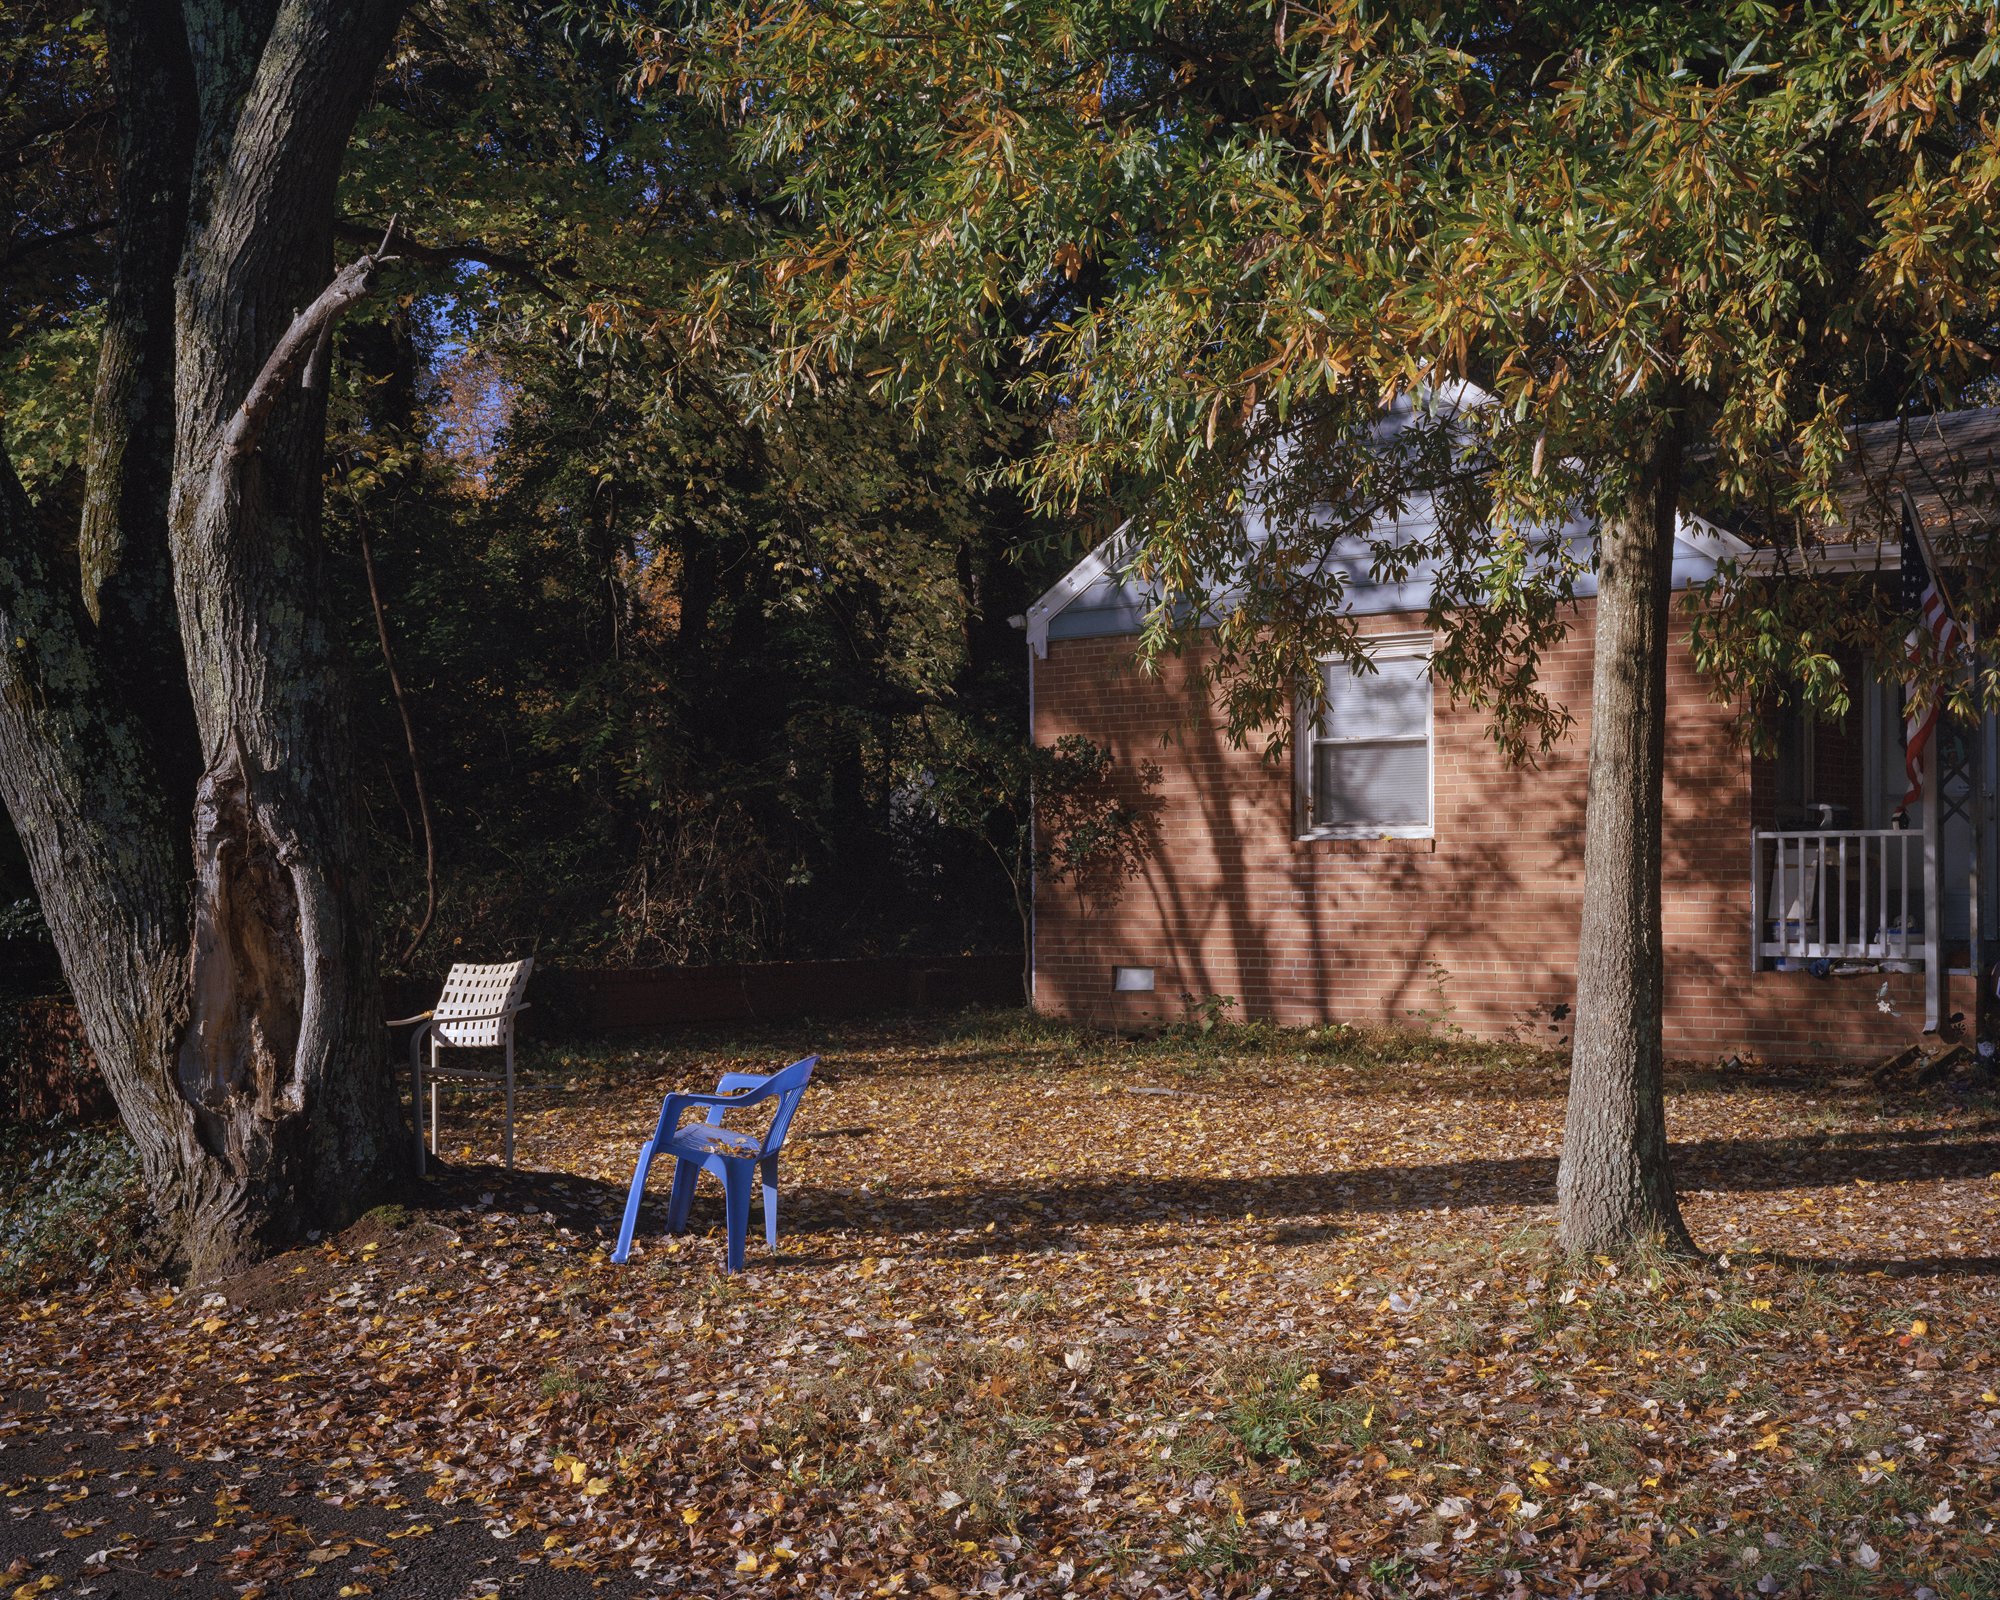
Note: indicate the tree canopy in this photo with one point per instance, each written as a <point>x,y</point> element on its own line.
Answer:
<point>1203,245</point>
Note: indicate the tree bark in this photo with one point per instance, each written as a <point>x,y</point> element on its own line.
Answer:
<point>94,821</point>
<point>128,471</point>
<point>237,1017</point>
<point>1615,1186</point>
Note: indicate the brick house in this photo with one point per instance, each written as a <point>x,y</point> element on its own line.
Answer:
<point>1398,870</point>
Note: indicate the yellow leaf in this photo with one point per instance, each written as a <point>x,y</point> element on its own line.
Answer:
<point>746,1562</point>
<point>1760,1305</point>
<point>1919,1328</point>
<point>1989,1398</point>
<point>690,1516</point>
<point>1543,1467</point>
<point>1309,1384</point>
<point>213,1324</point>
<point>597,1486</point>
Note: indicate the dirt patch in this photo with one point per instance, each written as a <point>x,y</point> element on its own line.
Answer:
<point>299,1277</point>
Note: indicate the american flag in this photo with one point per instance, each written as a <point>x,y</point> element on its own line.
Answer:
<point>1922,595</point>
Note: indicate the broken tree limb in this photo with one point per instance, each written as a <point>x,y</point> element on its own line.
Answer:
<point>350,284</point>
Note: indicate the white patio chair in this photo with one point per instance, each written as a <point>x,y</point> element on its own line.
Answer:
<point>475,1012</point>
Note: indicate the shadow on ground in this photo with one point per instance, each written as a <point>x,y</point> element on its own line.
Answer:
<point>988,1216</point>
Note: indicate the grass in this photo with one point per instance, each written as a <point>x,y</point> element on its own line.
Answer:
<point>560,1379</point>
<point>942,1422</point>
<point>1190,1047</point>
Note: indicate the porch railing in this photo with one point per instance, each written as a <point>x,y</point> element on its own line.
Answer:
<point>1855,894</point>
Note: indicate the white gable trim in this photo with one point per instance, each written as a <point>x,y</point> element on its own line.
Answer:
<point>1106,559</point>
<point>1696,534</point>
<point>1706,539</point>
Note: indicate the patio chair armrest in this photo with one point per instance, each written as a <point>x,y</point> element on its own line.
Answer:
<point>404,1022</point>
<point>735,1084</point>
<point>728,1102</point>
<point>673,1107</point>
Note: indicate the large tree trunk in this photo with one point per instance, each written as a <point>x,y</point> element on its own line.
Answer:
<point>94,820</point>
<point>1615,1186</point>
<point>238,1019</point>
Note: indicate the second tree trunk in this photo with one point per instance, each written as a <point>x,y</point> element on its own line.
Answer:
<point>1615,1186</point>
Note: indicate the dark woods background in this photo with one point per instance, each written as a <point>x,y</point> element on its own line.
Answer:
<point>675,675</point>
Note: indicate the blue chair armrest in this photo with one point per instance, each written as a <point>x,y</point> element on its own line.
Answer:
<point>678,1102</point>
<point>727,1102</point>
<point>734,1083</point>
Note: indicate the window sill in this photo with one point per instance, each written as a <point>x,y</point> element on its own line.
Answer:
<point>1366,836</point>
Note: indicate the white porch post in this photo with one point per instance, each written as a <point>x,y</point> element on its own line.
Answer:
<point>1757,911</point>
<point>1933,898</point>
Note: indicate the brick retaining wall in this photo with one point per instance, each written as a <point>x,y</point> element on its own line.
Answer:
<point>46,1068</point>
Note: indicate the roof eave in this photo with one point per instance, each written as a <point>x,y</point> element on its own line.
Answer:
<point>1103,560</point>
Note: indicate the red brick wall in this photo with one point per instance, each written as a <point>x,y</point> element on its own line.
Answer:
<point>1476,926</point>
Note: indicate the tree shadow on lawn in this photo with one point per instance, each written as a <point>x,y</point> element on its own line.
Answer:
<point>1031,1216</point>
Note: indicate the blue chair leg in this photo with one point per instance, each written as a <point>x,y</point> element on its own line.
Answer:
<point>770,1166</point>
<point>681,1200</point>
<point>736,1208</point>
<point>632,1202</point>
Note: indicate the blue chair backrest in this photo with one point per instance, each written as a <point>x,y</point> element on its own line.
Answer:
<point>788,1084</point>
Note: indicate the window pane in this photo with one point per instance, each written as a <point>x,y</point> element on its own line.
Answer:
<point>1394,700</point>
<point>1378,785</point>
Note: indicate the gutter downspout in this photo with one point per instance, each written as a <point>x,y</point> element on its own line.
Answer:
<point>1034,985</point>
<point>1934,973</point>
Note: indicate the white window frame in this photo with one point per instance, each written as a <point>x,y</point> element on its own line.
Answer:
<point>1380,647</point>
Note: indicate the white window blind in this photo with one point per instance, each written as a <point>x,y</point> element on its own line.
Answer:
<point>1369,755</point>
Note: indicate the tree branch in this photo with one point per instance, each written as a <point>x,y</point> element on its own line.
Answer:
<point>42,241</point>
<point>350,284</point>
<point>470,250</point>
<point>21,151</point>
<point>410,743</point>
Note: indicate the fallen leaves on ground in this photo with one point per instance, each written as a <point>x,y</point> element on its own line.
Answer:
<point>1058,1315</point>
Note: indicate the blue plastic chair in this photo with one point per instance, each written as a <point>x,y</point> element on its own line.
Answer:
<point>710,1147</point>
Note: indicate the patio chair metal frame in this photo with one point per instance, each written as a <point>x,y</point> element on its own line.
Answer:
<point>476,1011</point>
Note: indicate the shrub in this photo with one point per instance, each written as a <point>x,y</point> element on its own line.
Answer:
<point>70,1203</point>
